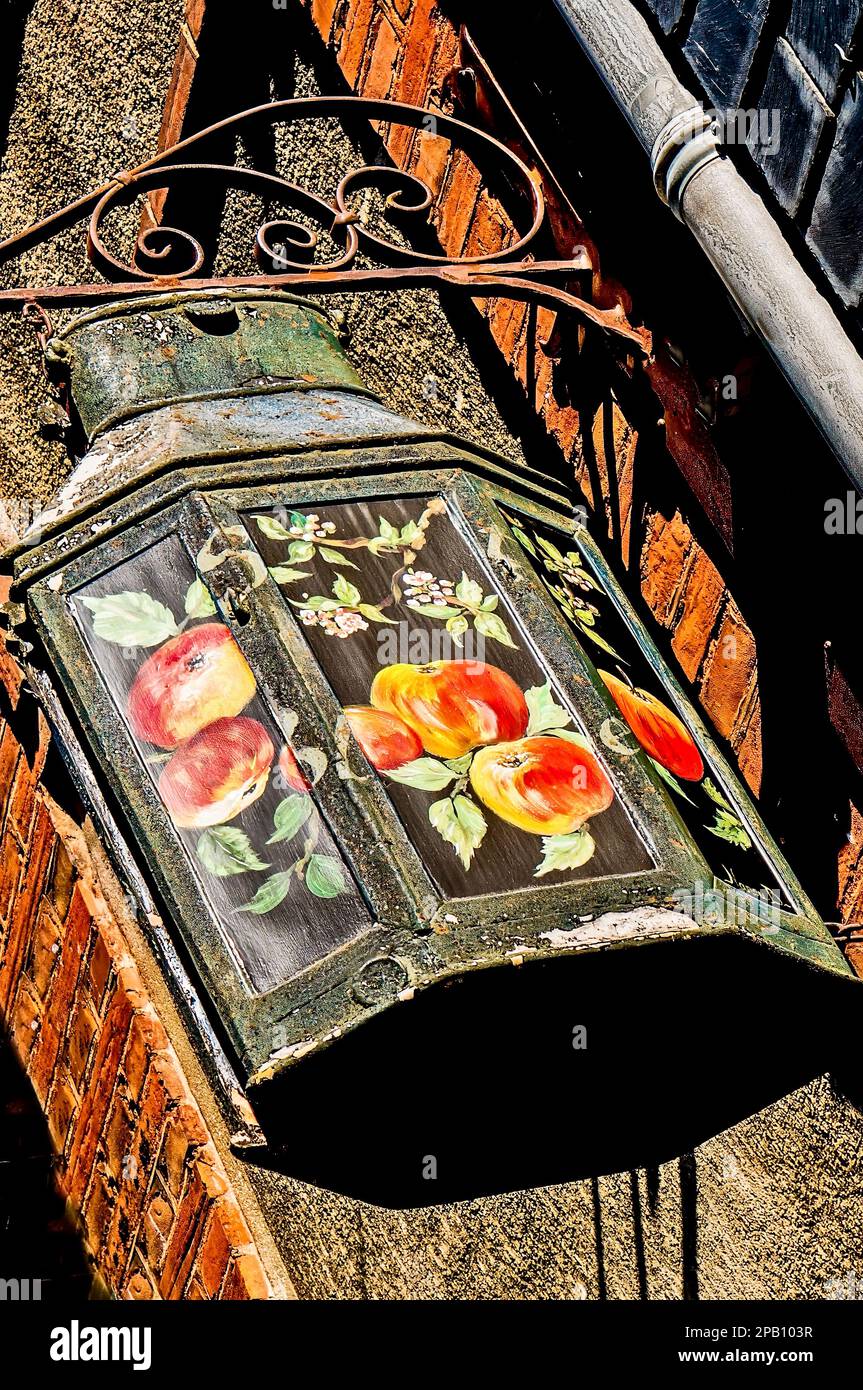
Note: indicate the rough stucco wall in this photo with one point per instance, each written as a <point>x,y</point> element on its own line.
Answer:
<point>766,1209</point>
<point>90,92</point>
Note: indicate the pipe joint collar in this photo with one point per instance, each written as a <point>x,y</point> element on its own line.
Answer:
<point>685,145</point>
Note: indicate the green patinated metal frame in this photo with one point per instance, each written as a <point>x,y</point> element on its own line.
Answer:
<point>411,944</point>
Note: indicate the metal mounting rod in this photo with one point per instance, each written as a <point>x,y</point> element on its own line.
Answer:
<point>729,221</point>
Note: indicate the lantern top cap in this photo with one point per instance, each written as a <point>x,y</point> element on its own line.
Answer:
<point>129,358</point>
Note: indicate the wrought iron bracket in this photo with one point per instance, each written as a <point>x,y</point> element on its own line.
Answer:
<point>288,250</point>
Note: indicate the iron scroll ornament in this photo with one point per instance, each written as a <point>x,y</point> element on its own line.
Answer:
<point>167,257</point>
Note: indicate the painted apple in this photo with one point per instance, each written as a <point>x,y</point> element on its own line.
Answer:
<point>452,706</point>
<point>386,740</point>
<point>290,769</point>
<point>195,678</point>
<point>657,728</point>
<point>545,785</point>
<point>218,773</point>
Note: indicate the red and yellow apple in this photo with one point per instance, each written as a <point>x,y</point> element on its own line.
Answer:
<point>387,741</point>
<point>657,728</point>
<point>195,678</point>
<point>545,785</point>
<point>452,706</point>
<point>220,771</point>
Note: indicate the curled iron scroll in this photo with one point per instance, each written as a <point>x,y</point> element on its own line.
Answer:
<point>171,252</point>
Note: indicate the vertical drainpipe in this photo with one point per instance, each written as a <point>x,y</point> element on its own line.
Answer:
<point>729,221</point>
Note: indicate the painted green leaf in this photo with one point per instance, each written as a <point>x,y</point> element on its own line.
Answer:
<point>290,816</point>
<point>561,852</point>
<point>672,781</point>
<point>602,644</point>
<point>715,794</point>
<point>374,614</point>
<point>224,850</point>
<point>410,533</point>
<point>728,827</point>
<point>273,529</point>
<point>550,550</point>
<point>457,627</point>
<point>442,610</point>
<point>461,765</point>
<point>489,604</point>
<point>271,892</point>
<point>570,736</point>
<point>545,713</point>
<point>300,551</point>
<point>283,575</point>
<point>460,822</point>
<point>426,774</point>
<point>335,557</point>
<point>346,592</point>
<point>468,591</point>
<point>524,539</point>
<point>388,532</point>
<point>131,619</point>
<point>199,601</point>
<point>325,876</point>
<point>490,625</point>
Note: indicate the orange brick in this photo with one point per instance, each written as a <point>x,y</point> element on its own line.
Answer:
<point>97,1210</point>
<point>355,39</point>
<point>82,1031</point>
<point>182,1248</point>
<point>748,747</point>
<point>246,1279</point>
<point>488,231</point>
<point>323,12</point>
<point>508,319</point>
<point>62,880</point>
<point>418,47</point>
<point>663,564</point>
<point>26,1018</point>
<point>99,970</point>
<point>45,949</point>
<point>457,206</point>
<point>850,867</point>
<point>854,952</point>
<point>146,1036</point>
<point>379,75</point>
<point>430,160</point>
<point>25,905</point>
<point>700,602</point>
<point>22,802</point>
<point>156,1229</point>
<point>63,1104</point>
<point>729,669</point>
<point>97,1098</point>
<point>10,750</point>
<point>139,1288</point>
<point>10,870</point>
<point>214,1255</point>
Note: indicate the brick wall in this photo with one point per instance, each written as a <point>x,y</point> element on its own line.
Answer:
<point>390,48</point>
<point>136,1160</point>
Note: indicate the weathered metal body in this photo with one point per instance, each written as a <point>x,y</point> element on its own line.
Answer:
<point>206,412</point>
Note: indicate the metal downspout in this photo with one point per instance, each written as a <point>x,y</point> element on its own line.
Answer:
<point>729,221</point>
